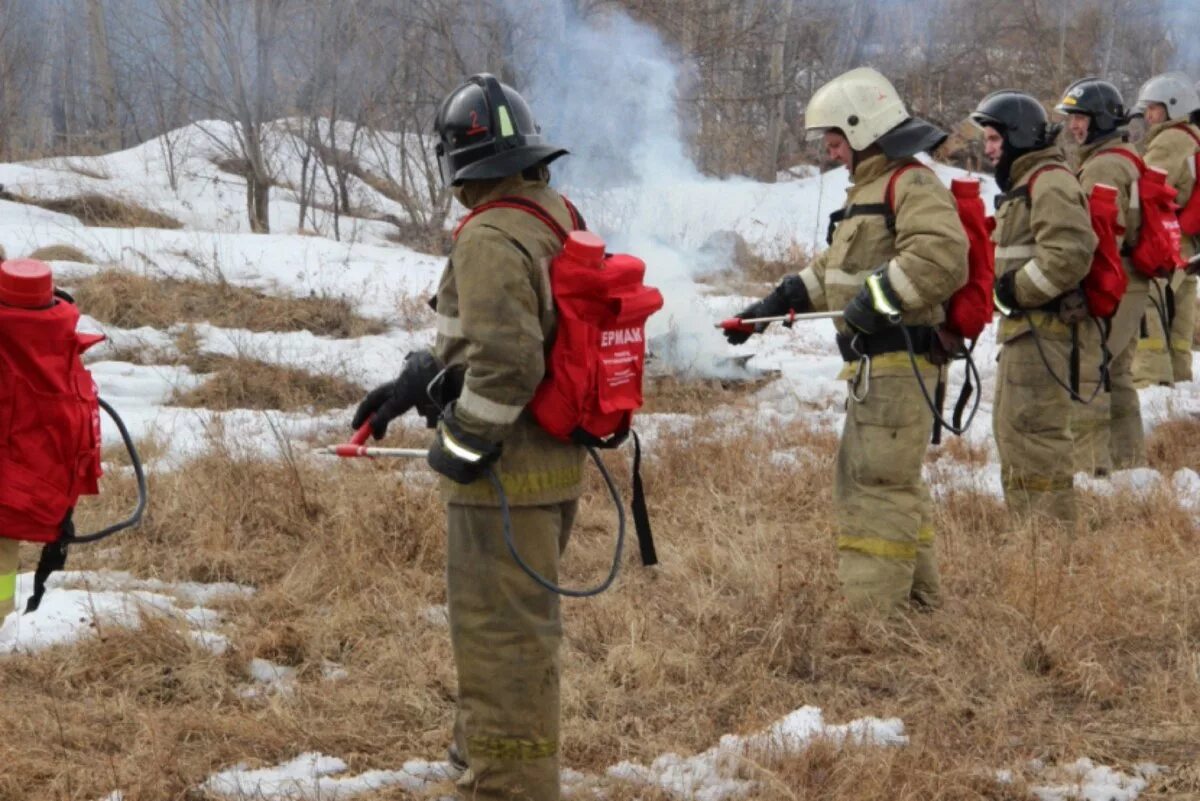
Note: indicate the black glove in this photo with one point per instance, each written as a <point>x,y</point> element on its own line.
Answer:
<point>875,306</point>
<point>388,401</point>
<point>457,455</point>
<point>1004,292</point>
<point>791,296</point>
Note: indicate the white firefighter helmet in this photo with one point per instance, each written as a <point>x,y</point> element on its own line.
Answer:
<point>861,103</point>
<point>1174,90</point>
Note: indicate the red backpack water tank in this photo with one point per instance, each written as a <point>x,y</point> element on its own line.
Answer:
<point>1157,252</point>
<point>970,309</point>
<point>49,412</point>
<point>593,381</point>
<point>1106,281</point>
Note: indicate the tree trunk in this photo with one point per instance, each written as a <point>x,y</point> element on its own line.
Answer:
<point>778,94</point>
<point>105,105</point>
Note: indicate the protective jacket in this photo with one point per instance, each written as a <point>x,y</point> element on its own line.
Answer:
<point>925,254</point>
<point>496,319</point>
<point>1046,237</point>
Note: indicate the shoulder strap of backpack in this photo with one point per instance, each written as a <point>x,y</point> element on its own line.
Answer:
<point>530,207</point>
<point>1134,158</point>
<point>1026,192</point>
<point>886,209</point>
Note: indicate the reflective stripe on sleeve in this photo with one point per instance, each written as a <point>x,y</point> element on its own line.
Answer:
<point>1039,278</point>
<point>8,586</point>
<point>487,411</point>
<point>449,326</point>
<point>903,286</point>
<point>1016,252</point>
<point>816,295</point>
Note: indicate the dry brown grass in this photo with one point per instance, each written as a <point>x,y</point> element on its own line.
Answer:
<point>241,383</point>
<point>749,272</point>
<point>1049,647</point>
<point>101,210</point>
<point>62,253</point>
<point>1174,444</point>
<point>130,300</point>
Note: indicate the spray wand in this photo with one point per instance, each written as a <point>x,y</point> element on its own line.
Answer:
<point>748,325</point>
<point>357,447</point>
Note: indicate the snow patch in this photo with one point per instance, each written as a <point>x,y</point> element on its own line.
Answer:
<point>110,599</point>
<point>312,777</point>
<point>713,775</point>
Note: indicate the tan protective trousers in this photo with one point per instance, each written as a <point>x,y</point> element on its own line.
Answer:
<point>1108,432</point>
<point>8,576</point>
<point>1183,330</point>
<point>885,537</point>
<point>1165,358</point>
<point>505,631</point>
<point>1032,415</point>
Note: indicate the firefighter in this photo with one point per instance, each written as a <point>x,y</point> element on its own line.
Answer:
<point>1169,103</point>
<point>1044,243</point>
<point>1108,431</point>
<point>495,323</point>
<point>890,268</point>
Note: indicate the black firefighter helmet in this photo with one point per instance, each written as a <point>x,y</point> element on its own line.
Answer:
<point>486,131</point>
<point>1099,100</point>
<point>1018,117</point>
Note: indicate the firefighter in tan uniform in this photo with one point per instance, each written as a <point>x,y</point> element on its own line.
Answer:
<point>1169,102</point>
<point>1044,244</point>
<point>495,324</point>
<point>891,269</point>
<point>1108,431</point>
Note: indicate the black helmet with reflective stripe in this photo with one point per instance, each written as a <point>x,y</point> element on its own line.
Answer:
<point>1098,99</point>
<point>1018,117</point>
<point>486,131</point>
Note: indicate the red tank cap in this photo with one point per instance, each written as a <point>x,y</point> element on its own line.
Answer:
<point>584,246</point>
<point>965,187</point>
<point>27,283</point>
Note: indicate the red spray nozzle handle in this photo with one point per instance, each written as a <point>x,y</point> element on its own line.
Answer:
<point>736,324</point>
<point>356,446</point>
<point>363,432</point>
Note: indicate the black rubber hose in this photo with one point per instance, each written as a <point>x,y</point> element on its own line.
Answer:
<point>538,577</point>
<point>138,474</point>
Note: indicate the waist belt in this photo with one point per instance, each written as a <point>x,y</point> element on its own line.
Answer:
<point>890,340</point>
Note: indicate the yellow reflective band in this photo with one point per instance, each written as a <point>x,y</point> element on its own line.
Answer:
<point>925,534</point>
<point>459,450</point>
<point>1038,483</point>
<point>511,749</point>
<point>1068,101</point>
<point>879,298</point>
<point>1152,345</point>
<point>506,126</point>
<point>877,546</point>
<point>522,485</point>
<point>1181,345</point>
<point>8,587</point>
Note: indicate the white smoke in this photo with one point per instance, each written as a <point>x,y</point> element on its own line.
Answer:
<point>605,88</point>
<point>1183,24</point>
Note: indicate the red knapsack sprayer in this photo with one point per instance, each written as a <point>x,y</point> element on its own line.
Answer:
<point>49,419</point>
